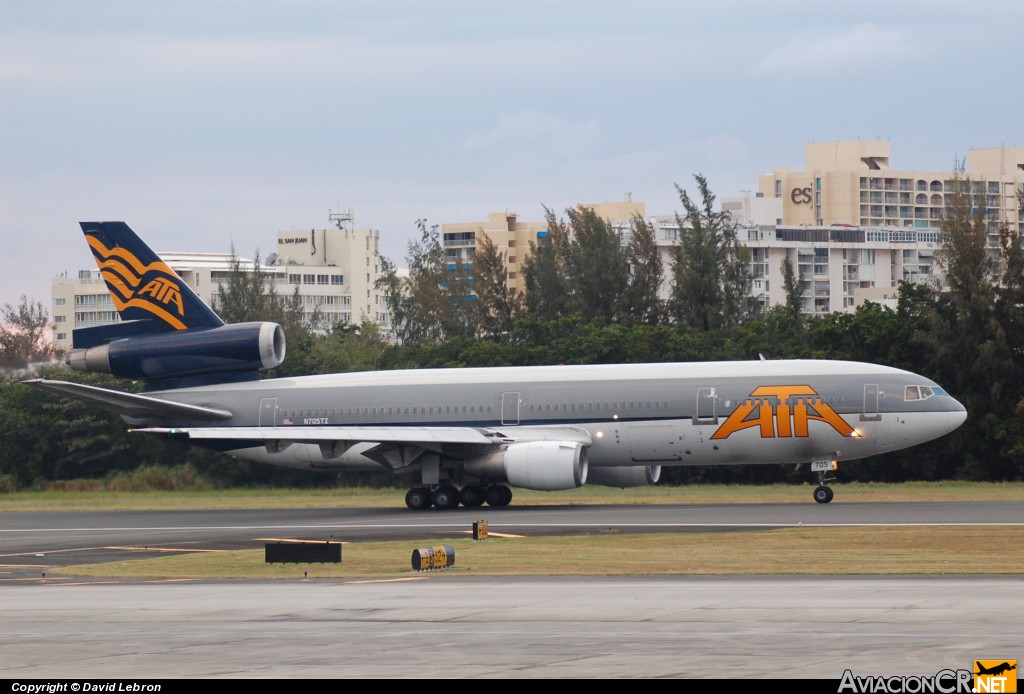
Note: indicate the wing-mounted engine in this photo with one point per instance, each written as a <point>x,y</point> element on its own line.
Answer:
<point>179,358</point>
<point>622,477</point>
<point>542,465</point>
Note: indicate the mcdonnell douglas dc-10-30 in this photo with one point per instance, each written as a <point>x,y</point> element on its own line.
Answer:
<point>536,427</point>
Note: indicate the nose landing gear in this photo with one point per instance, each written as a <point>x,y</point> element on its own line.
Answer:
<point>823,493</point>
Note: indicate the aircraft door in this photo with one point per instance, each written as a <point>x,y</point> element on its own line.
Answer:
<point>706,406</point>
<point>510,408</point>
<point>870,402</point>
<point>268,412</point>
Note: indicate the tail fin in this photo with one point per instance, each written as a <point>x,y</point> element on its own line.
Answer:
<point>144,287</point>
<point>167,336</point>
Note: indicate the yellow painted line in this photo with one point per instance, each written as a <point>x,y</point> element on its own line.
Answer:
<point>149,548</point>
<point>292,539</point>
<point>84,583</point>
<point>494,534</point>
<point>24,566</point>
<point>387,580</point>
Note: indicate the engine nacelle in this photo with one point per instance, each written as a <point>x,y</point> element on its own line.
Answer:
<point>228,349</point>
<point>622,477</point>
<point>542,465</point>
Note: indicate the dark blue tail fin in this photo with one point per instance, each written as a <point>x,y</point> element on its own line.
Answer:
<point>143,287</point>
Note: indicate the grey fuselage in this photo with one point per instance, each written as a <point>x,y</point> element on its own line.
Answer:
<point>699,413</point>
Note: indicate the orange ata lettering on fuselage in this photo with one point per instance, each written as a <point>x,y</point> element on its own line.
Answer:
<point>782,412</point>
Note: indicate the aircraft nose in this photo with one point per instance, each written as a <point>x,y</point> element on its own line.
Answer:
<point>958,415</point>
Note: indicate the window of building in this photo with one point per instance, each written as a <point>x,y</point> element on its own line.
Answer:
<point>309,279</point>
<point>321,279</point>
<point>337,279</point>
<point>59,302</point>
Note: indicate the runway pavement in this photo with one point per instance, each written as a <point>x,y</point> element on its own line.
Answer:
<point>466,627</point>
<point>705,627</point>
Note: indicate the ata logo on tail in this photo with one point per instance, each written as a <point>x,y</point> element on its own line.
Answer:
<point>782,412</point>
<point>154,288</point>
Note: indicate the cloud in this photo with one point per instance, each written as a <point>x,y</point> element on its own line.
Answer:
<point>863,46</point>
<point>531,140</point>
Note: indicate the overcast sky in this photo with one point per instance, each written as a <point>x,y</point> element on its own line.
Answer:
<point>210,123</point>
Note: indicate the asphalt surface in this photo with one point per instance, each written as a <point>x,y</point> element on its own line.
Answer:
<point>467,627</point>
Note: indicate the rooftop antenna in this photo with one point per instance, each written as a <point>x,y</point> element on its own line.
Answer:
<point>343,218</point>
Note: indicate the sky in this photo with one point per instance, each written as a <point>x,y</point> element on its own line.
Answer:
<point>213,124</point>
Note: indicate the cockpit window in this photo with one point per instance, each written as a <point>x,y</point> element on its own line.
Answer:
<point>920,392</point>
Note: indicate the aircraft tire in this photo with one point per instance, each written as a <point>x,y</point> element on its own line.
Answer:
<point>823,494</point>
<point>418,498</point>
<point>446,497</point>
<point>498,495</point>
<point>471,496</point>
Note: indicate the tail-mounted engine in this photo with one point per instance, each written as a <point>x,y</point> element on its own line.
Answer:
<point>179,358</point>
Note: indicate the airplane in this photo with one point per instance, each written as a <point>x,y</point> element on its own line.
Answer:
<point>996,669</point>
<point>534,427</point>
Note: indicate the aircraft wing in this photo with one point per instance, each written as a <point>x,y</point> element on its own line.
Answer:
<point>415,435</point>
<point>392,446</point>
<point>317,434</point>
<point>131,405</point>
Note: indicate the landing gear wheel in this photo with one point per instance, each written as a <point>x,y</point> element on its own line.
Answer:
<point>823,494</point>
<point>446,497</point>
<point>418,498</point>
<point>498,495</point>
<point>472,496</point>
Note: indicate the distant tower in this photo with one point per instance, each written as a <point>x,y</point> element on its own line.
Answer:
<point>342,220</point>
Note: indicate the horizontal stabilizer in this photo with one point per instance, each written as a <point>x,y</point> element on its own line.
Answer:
<point>129,404</point>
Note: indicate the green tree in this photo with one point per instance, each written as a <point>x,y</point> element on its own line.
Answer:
<point>596,267</point>
<point>435,300</point>
<point>24,334</point>
<point>497,304</point>
<point>544,272</point>
<point>710,272</point>
<point>791,288</point>
<point>643,303</point>
<point>967,339</point>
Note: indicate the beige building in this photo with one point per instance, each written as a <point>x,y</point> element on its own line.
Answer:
<point>853,182</point>
<point>513,237</point>
<point>334,271</point>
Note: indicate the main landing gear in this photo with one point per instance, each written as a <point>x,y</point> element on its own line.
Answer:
<point>448,496</point>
